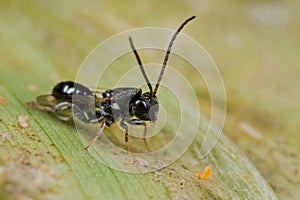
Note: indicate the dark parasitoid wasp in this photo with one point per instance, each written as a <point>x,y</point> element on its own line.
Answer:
<point>128,105</point>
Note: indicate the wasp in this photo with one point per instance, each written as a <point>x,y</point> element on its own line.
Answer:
<point>126,105</point>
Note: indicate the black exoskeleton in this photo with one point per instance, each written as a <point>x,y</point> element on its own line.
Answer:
<point>126,104</point>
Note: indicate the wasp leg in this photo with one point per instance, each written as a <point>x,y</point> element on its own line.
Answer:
<point>143,123</point>
<point>62,106</point>
<point>59,109</point>
<point>98,134</point>
<point>54,109</point>
<point>40,107</point>
<point>125,126</point>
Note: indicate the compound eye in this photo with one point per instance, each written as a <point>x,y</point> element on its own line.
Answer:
<point>141,105</point>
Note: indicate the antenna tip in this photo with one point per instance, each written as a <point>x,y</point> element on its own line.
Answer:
<point>191,18</point>
<point>131,42</point>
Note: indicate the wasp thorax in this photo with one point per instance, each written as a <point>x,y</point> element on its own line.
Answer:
<point>144,107</point>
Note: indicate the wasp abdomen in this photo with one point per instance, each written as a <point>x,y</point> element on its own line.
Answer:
<point>66,89</point>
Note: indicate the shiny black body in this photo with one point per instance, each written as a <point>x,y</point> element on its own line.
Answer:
<point>127,105</point>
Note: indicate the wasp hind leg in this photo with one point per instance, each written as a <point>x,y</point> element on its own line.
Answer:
<point>40,107</point>
<point>57,110</point>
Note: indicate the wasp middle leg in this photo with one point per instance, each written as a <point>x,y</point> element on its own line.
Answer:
<point>98,134</point>
<point>125,127</point>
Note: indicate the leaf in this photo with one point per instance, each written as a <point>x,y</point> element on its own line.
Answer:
<point>48,160</point>
<point>50,157</point>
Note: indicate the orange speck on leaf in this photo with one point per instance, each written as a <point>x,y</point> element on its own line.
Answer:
<point>206,174</point>
<point>3,100</point>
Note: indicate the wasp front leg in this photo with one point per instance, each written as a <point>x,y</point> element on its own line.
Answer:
<point>143,123</point>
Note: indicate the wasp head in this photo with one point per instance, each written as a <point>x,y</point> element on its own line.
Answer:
<point>145,107</point>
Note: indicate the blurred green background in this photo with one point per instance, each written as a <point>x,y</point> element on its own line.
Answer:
<point>255,44</point>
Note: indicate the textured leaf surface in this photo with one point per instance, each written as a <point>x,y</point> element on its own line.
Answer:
<point>45,42</point>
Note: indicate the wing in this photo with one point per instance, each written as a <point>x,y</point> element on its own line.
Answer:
<point>63,108</point>
<point>48,100</point>
<point>51,104</point>
<point>84,102</point>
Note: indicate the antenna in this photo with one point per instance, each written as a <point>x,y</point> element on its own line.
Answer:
<point>168,53</point>
<point>141,66</point>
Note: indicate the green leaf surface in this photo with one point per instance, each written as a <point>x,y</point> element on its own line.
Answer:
<point>45,42</point>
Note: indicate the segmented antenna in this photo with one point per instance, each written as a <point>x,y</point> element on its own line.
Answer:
<point>141,66</point>
<point>168,53</point>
